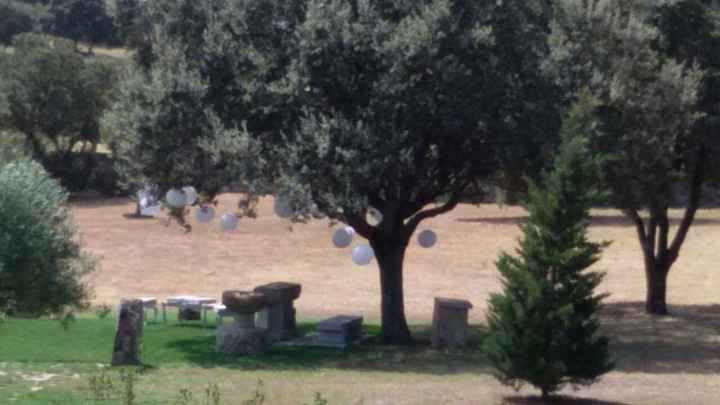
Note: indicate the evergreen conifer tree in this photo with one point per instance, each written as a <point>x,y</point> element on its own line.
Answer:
<point>543,328</point>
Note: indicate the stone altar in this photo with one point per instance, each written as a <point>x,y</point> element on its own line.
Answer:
<point>242,337</point>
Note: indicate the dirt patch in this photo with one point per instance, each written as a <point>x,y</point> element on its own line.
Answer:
<point>149,258</point>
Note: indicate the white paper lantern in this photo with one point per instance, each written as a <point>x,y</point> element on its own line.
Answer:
<point>362,255</point>
<point>342,238</point>
<point>191,194</point>
<point>350,230</point>
<point>229,222</point>
<point>176,198</point>
<point>205,214</point>
<point>282,207</point>
<point>427,238</point>
<point>151,211</point>
<point>374,216</point>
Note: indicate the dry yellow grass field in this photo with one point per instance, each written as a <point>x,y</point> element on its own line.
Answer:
<point>669,360</point>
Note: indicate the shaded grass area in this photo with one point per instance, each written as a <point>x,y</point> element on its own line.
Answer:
<point>89,340</point>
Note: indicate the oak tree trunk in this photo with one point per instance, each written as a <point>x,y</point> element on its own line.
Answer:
<point>656,275</point>
<point>390,256</point>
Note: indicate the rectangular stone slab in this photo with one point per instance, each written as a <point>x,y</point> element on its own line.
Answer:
<point>280,291</point>
<point>341,328</point>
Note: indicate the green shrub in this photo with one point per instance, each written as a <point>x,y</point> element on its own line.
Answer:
<point>103,310</point>
<point>11,147</point>
<point>41,263</point>
<point>544,328</point>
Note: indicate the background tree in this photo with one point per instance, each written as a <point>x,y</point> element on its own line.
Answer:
<point>80,20</point>
<point>13,20</point>
<point>657,121</point>
<point>54,98</point>
<point>341,105</point>
<point>132,23</point>
<point>41,263</point>
<point>543,328</point>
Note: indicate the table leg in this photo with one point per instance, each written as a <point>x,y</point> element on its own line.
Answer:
<point>203,312</point>
<point>155,314</point>
<point>164,315</point>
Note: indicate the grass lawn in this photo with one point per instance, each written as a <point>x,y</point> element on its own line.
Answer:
<point>43,362</point>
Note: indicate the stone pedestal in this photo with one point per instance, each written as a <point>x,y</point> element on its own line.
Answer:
<point>242,337</point>
<point>128,334</point>
<point>450,323</point>
<point>278,318</point>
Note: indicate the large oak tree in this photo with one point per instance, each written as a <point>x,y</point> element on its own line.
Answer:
<point>342,105</point>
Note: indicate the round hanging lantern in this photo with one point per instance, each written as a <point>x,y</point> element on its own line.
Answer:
<point>342,238</point>
<point>427,238</point>
<point>362,255</point>
<point>281,206</point>
<point>229,222</point>
<point>205,214</point>
<point>176,198</point>
<point>191,194</point>
<point>151,211</point>
<point>374,216</point>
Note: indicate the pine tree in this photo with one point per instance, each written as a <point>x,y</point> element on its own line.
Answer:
<point>543,328</point>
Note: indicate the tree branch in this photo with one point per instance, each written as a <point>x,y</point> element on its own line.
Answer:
<point>640,227</point>
<point>432,212</point>
<point>651,233</point>
<point>360,225</point>
<point>664,228</point>
<point>690,211</point>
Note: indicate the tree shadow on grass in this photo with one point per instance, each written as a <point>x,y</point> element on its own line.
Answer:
<point>687,341</point>
<point>558,400</point>
<point>371,355</point>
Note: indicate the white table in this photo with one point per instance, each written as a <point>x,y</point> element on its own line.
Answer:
<point>220,312</point>
<point>149,303</point>
<point>188,301</point>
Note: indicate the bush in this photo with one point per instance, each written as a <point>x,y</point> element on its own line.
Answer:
<point>41,263</point>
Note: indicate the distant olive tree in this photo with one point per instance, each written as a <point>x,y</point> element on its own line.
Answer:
<point>41,262</point>
<point>13,21</point>
<point>80,21</point>
<point>53,98</point>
